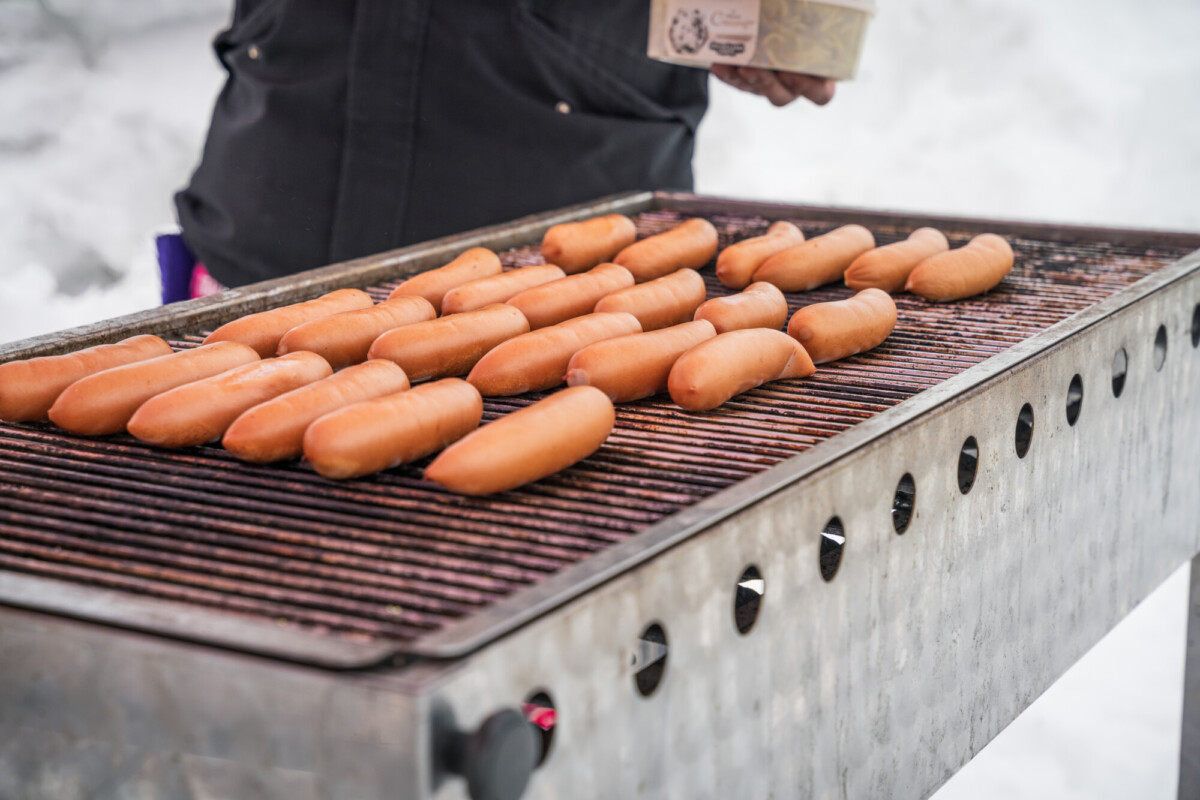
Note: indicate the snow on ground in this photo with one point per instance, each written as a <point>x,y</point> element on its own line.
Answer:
<point>1068,111</point>
<point>1072,111</point>
<point>102,116</point>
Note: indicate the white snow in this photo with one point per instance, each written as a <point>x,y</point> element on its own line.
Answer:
<point>1070,111</point>
<point>102,116</point>
<point>1067,111</point>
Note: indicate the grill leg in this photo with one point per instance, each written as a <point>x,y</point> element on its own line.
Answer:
<point>1189,750</point>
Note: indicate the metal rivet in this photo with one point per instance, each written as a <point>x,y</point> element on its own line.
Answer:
<point>253,52</point>
<point>562,107</point>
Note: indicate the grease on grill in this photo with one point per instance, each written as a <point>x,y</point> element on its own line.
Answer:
<point>393,557</point>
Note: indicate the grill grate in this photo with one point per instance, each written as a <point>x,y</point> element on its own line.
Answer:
<point>391,557</point>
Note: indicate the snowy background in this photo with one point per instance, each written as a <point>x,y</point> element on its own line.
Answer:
<point>1075,111</point>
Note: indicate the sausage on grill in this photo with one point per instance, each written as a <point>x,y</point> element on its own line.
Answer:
<point>579,246</point>
<point>970,270</point>
<point>497,288</point>
<point>820,260</point>
<point>637,365</point>
<point>538,360</point>
<point>536,441</point>
<point>449,345</point>
<point>200,411</point>
<point>388,431</point>
<point>759,305</point>
<point>478,262</point>
<point>888,267</point>
<point>690,245</point>
<point>735,362</point>
<point>572,296</point>
<point>263,330</point>
<point>830,331</point>
<point>345,338</point>
<point>103,403</point>
<point>28,388</point>
<point>659,303</point>
<point>736,263</point>
<point>274,430</point>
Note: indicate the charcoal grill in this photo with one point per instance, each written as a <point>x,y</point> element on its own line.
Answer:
<point>842,586</point>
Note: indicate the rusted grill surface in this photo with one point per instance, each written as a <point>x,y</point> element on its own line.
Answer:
<point>392,557</point>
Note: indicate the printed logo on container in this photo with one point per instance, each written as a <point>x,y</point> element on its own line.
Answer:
<point>723,31</point>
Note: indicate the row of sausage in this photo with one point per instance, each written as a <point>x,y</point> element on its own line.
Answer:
<point>265,384</point>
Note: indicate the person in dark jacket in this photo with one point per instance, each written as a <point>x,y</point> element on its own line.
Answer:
<point>355,127</point>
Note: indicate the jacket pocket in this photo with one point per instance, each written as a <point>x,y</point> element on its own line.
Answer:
<point>592,77</point>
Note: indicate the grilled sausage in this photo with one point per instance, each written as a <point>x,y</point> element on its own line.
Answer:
<point>822,259</point>
<point>449,345</point>
<point>200,411</point>
<point>103,403</point>
<point>497,288</point>
<point>274,430</point>
<point>478,262</point>
<point>830,331</point>
<point>735,362</point>
<point>759,305</point>
<point>970,270</point>
<point>28,388</point>
<point>687,246</point>
<point>538,360</point>
<point>659,303</point>
<point>736,263</point>
<point>379,434</point>
<point>572,296</point>
<point>888,267</point>
<point>345,338</point>
<point>263,330</point>
<point>579,246</point>
<point>536,441</point>
<point>636,365</point>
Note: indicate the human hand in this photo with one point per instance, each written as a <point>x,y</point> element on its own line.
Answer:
<point>779,87</point>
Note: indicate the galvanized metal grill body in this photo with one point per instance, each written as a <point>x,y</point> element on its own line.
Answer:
<point>383,562</point>
<point>880,682</point>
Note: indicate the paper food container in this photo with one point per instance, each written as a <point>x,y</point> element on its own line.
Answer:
<point>817,38</point>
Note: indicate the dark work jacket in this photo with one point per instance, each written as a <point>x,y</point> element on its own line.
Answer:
<point>351,127</point>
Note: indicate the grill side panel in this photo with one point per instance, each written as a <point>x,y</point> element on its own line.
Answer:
<point>92,714</point>
<point>883,681</point>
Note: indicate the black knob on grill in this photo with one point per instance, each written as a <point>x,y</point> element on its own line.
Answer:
<point>497,759</point>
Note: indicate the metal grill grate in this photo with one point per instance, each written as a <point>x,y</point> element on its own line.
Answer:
<point>391,557</point>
